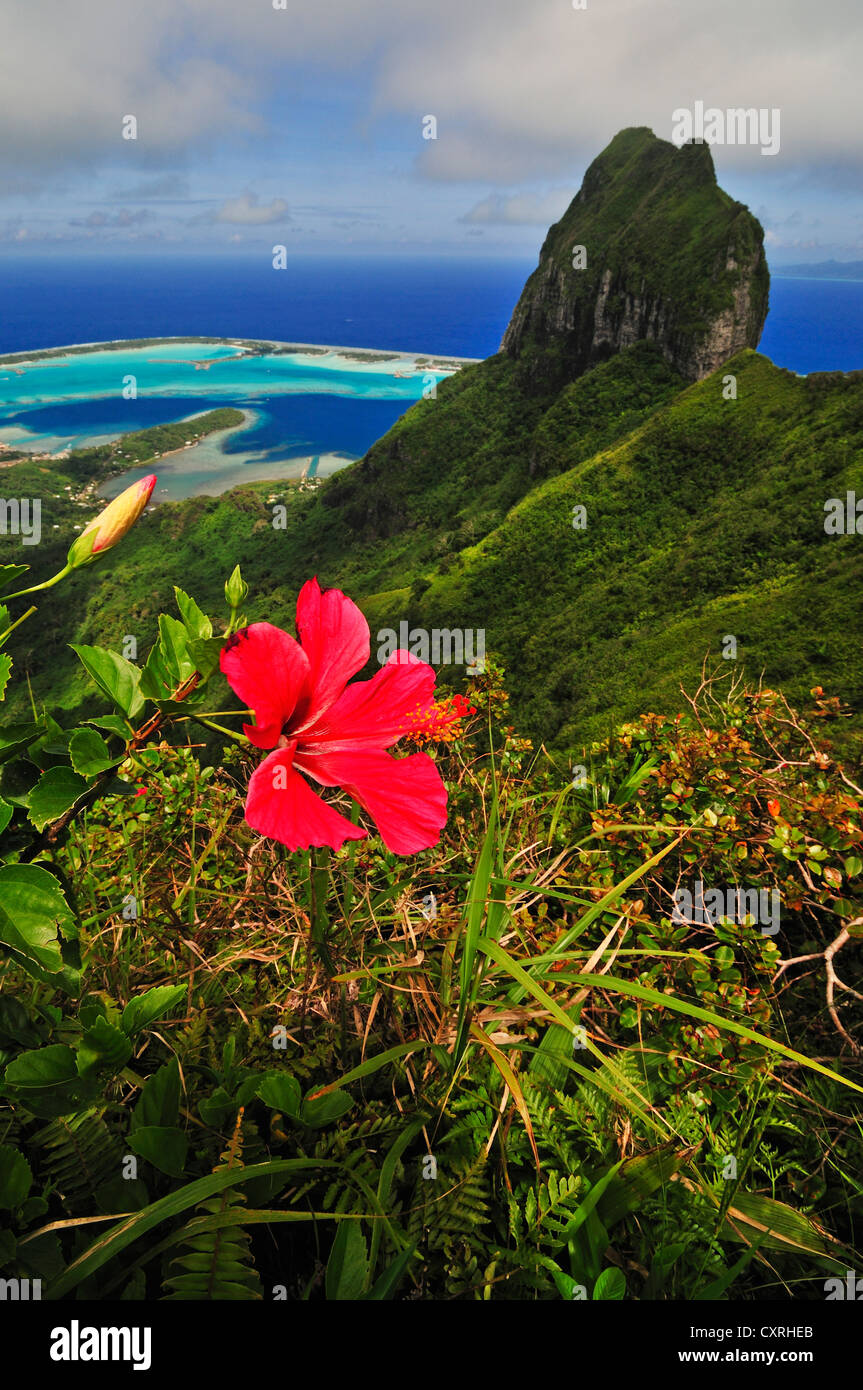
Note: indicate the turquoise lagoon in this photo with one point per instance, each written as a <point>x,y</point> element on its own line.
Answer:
<point>307,412</point>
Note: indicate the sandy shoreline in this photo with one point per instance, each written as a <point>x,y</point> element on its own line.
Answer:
<point>308,354</point>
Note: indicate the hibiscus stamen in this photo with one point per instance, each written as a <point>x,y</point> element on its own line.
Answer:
<point>441,722</point>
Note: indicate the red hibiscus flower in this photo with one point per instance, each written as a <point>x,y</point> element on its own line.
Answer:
<point>334,733</point>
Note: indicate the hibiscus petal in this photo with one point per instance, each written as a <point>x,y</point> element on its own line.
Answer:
<point>268,670</point>
<point>404,796</point>
<point>378,712</point>
<point>335,638</point>
<point>281,805</point>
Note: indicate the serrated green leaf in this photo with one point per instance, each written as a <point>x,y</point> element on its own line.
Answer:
<point>47,1082</point>
<point>174,643</point>
<point>323,1110</point>
<point>205,652</point>
<point>281,1092</point>
<point>5,672</point>
<point>196,623</point>
<point>168,662</point>
<point>90,753</point>
<point>9,573</point>
<point>115,676</point>
<point>32,907</point>
<point>16,1178</point>
<point>15,737</point>
<point>56,791</point>
<point>103,1046</point>
<point>112,723</point>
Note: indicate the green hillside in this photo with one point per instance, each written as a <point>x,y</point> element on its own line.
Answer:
<point>705,517</point>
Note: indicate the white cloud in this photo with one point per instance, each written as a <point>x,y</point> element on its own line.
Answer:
<point>247,211</point>
<point>521,209</point>
<point>520,90</point>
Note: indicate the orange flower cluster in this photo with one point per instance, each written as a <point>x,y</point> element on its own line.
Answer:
<point>442,723</point>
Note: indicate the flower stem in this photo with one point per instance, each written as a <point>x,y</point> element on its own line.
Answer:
<point>219,728</point>
<point>319,870</point>
<point>46,584</point>
<point>17,622</point>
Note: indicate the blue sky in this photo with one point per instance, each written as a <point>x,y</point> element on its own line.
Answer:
<point>304,125</point>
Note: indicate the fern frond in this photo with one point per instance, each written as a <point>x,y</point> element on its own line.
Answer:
<point>77,1154</point>
<point>454,1204</point>
<point>218,1262</point>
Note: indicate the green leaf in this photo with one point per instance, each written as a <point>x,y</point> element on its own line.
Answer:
<point>205,652</point>
<point>115,676</point>
<point>156,681</point>
<point>5,814</point>
<point>779,1226</point>
<point>141,1012</point>
<point>32,907</point>
<point>15,1024</point>
<point>163,1146</point>
<point>56,791</point>
<point>218,1109</point>
<point>103,1046</point>
<point>42,1068</point>
<point>5,672</point>
<point>611,1285</point>
<point>853,865</point>
<point>47,1082</point>
<point>9,573</point>
<point>16,737</point>
<point>385,1286</point>
<point>474,912</point>
<point>281,1092</point>
<point>168,663</point>
<point>555,1049</point>
<point>323,1110</point>
<point>15,1177</point>
<point>196,623</point>
<point>17,780</point>
<point>159,1103</point>
<point>174,641</point>
<point>348,1266</point>
<point>90,753</point>
<point>112,723</point>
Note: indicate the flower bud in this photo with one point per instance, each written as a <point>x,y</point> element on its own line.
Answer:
<point>111,525</point>
<point>236,589</point>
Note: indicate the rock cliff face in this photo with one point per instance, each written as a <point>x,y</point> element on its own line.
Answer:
<point>649,249</point>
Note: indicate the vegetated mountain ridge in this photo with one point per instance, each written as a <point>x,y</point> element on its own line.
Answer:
<point>650,249</point>
<point>704,506</point>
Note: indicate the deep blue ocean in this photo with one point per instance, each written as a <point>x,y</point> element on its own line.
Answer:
<point>443,306</point>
